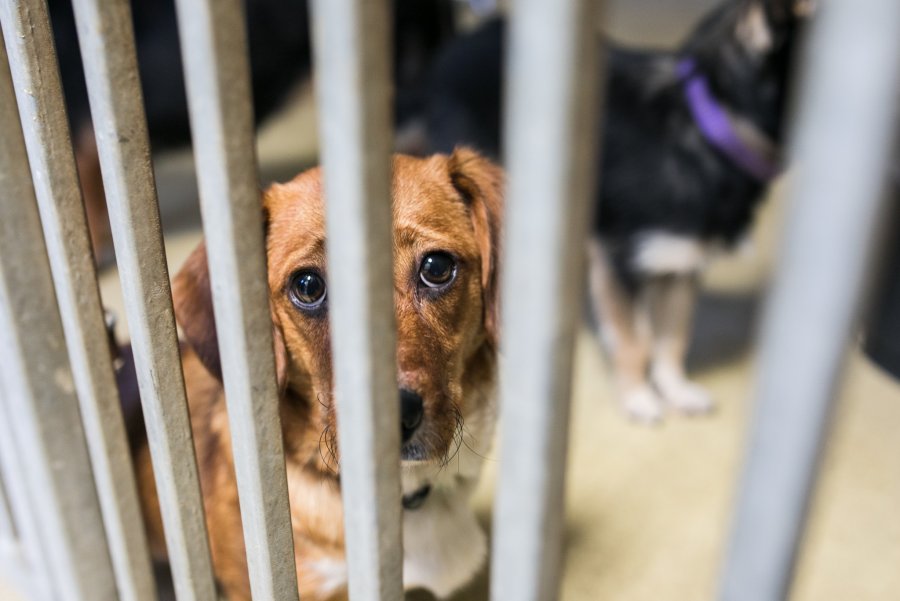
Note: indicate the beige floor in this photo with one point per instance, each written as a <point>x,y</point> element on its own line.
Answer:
<point>648,508</point>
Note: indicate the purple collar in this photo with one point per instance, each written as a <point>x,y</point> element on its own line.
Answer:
<point>718,127</point>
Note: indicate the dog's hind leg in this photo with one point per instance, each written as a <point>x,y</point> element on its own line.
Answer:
<point>625,331</point>
<point>671,300</point>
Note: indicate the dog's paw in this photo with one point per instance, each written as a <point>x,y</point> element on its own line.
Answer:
<point>686,397</point>
<point>642,405</point>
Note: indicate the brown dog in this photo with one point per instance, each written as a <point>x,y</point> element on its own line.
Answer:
<point>446,212</point>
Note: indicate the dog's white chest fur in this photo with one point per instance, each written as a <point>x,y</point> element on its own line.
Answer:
<point>444,546</point>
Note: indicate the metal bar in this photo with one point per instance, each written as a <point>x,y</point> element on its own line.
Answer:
<point>552,104</point>
<point>110,62</point>
<point>8,531</point>
<point>844,137</point>
<point>217,74</point>
<point>354,94</point>
<point>34,574</point>
<point>16,573</point>
<point>83,318</point>
<point>40,406</point>
<point>75,278</point>
<point>47,138</point>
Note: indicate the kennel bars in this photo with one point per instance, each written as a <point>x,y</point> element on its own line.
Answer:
<point>545,239</point>
<point>842,152</point>
<point>52,449</point>
<point>353,70</point>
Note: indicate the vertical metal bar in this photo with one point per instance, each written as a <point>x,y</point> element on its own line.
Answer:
<point>44,120</point>
<point>107,45</point>
<point>354,115</point>
<point>40,579</point>
<point>39,400</point>
<point>551,135</point>
<point>217,74</point>
<point>844,135</point>
<point>7,526</point>
<point>17,574</point>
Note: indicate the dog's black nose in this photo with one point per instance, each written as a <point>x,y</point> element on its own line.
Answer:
<point>411,410</point>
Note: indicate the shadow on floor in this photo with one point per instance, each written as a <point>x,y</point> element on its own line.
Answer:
<point>724,328</point>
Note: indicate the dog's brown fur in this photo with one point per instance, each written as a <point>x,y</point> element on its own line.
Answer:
<point>446,352</point>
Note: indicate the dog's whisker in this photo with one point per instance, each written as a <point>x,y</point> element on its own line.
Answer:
<point>326,440</point>
<point>471,449</point>
<point>457,438</point>
<point>324,404</point>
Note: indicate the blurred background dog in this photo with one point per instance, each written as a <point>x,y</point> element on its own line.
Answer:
<point>690,140</point>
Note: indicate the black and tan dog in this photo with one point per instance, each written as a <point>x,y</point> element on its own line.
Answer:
<point>690,141</point>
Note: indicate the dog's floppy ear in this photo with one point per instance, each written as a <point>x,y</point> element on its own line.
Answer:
<point>792,9</point>
<point>754,29</point>
<point>480,183</point>
<point>192,297</point>
<point>803,9</point>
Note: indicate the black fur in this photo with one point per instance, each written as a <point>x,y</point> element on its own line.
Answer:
<point>658,172</point>
<point>280,56</point>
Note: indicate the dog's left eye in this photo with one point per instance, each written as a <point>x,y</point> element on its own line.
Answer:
<point>437,270</point>
<point>307,290</point>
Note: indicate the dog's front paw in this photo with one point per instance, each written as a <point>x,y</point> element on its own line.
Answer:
<point>686,397</point>
<point>642,405</point>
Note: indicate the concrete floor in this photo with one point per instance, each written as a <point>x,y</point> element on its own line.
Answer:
<point>648,508</point>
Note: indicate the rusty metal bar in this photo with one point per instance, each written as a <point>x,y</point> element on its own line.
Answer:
<point>847,119</point>
<point>552,107</point>
<point>40,405</point>
<point>107,45</point>
<point>47,138</point>
<point>35,73</point>
<point>24,561</point>
<point>217,75</point>
<point>354,91</point>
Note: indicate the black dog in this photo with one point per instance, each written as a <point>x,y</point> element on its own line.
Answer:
<point>689,143</point>
<point>280,57</point>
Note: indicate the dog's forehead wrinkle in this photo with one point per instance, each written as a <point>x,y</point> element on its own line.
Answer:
<point>308,252</point>
<point>434,205</point>
<point>288,251</point>
<point>434,233</point>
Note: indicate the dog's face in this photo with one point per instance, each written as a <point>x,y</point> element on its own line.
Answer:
<point>746,48</point>
<point>446,212</point>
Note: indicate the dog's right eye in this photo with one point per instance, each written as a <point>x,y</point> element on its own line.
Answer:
<point>307,290</point>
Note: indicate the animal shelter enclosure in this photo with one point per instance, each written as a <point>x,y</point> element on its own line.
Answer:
<point>70,525</point>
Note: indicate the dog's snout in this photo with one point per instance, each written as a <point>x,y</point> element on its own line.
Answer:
<point>411,411</point>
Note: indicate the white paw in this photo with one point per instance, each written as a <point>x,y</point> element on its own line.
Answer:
<point>687,397</point>
<point>643,405</point>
